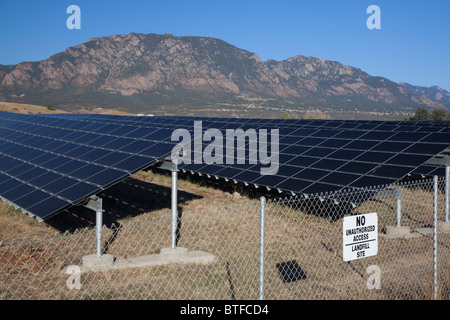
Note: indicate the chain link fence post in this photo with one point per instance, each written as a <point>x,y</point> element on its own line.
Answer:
<point>262,204</point>
<point>435,209</point>
<point>399,207</point>
<point>447,193</point>
<point>174,212</point>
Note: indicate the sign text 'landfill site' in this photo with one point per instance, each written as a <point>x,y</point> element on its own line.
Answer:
<point>360,236</point>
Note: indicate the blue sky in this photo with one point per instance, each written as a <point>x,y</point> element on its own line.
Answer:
<point>413,44</point>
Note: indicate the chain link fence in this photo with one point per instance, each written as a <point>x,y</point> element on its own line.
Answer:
<point>309,231</point>
<point>301,251</point>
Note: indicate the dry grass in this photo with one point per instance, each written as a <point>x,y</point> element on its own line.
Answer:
<point>104,111</point>
<point>138,223</point>
<point>26,108</point>
<point>15,224</point>
<point>141,204</point>
<point>36,109</point>
<point>144,195</point>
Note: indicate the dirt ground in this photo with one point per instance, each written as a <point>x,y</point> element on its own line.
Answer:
<point>215,218</point>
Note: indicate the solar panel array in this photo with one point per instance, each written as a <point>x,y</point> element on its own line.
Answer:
<point>48,164</point>
<point>91,152</point>
<point>319,155</point>
<point>435,166</point>
<point>430,170</point>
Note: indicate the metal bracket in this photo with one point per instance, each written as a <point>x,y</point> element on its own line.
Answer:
<point>95,203</point>
<point>439,160</point>
<point>169,165</point>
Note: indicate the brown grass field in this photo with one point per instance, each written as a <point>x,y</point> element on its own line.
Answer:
<point>35,109</point>
<point>137,223</point>
<point>26,108</point>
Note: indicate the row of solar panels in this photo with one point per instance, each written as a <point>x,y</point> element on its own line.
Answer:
<point>321,151</point>
<point>49,162</point>
<point>164,121</point>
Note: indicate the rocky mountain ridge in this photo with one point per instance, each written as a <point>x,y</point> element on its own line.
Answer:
<point>140,72</point>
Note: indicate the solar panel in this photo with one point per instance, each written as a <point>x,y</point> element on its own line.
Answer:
<point>48,164</point>
<point>81,154</point>
<point>425,170</point>
<point>385,151</point>
<point>323,161</point>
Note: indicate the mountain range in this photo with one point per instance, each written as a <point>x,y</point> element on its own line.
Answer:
<point>435,93</point>
<point>142,72</point>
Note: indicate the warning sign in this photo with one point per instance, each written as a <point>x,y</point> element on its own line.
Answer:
<point>360,236</point>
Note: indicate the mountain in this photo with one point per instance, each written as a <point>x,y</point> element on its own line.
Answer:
<point>142,72</point>
<point>434,93</point>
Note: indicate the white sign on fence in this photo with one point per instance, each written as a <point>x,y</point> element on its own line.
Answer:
<point>360,236</point>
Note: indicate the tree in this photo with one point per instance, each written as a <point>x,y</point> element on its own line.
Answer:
<point>315,115</point>
<point>422,114</point>
<point>50,107</point>
<point>287,116</point>
<point>438,115</point>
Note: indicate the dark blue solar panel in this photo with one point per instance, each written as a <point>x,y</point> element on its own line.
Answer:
<point>50,163</point>
<point>66,158</point>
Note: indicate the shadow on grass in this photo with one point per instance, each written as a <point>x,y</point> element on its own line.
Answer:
<point>127,199</point>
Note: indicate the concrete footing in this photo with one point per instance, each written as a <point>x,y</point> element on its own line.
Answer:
<point>165,257</point>
<point>397,232</point>
<point>94,261</point>
<point>443,226</point>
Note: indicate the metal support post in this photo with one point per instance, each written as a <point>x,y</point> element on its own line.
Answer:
<point>447,193</point>
<point>171,165</point>
<point>174,209</point>
<point>399,210</point>
<point>262,211</point>
<point>99,226</point>
<point>96,204</point>
<point>435,209</point>
<point>397,193</point>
